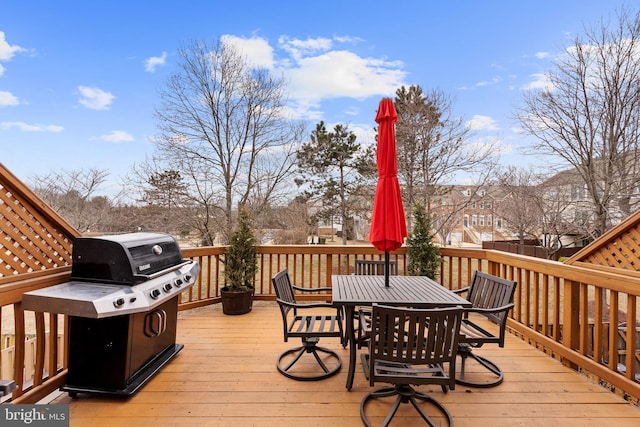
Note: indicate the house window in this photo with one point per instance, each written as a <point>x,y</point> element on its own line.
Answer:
<point>481,220</point>
<point>481,204</point>
<point>489,220</point>
<point>466,220</point>
<point>498,223</point>
<point>473,204</point>
<point>474,220</point>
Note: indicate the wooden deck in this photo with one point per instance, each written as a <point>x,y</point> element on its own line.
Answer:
<point>226,376</point>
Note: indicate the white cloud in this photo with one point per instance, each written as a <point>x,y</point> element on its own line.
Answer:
<point>315,70</point>
<point>365,134</point>
<point>95,98</point>
<point>340,73</point>
<point>256,50</point>
<point>7,99</point>
<point>540,81</point>
<point>352,111</point>
<point>300,109</point>
<point>25,127</point>
<point>6,50</point>
<point>348,39</point>
<point>155,61</point>
<point>542,55</point>
<point>479,122</point>
<point>299,48</point>
<point>493,81</point>
<point>117,136</point>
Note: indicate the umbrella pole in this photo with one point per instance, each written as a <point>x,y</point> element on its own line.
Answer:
<point>386,269</point>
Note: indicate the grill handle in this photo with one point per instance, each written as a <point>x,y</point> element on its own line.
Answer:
<point>145,277</point>
<point>150,325</point>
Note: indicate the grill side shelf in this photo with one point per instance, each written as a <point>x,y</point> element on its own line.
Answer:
<point>98,300</point>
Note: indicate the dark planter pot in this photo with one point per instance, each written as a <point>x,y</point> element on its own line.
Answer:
<point>236,302</point>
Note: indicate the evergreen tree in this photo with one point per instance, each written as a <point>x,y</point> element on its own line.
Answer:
<point>335,166</point>
<point>424,255</point>
<point>241,261</point>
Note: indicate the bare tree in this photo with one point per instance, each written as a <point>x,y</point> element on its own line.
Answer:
<point>589,116</point>
<point>521,204</point>
<point>222,125</point>
<point>433,145</point>
<point>563,222</point>
<point>72,193</point>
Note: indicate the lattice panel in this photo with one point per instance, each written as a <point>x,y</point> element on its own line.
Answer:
<point>621,252</point>
<point>28,240</point>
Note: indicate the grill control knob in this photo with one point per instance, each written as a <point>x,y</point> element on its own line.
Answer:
<point>178,283</point>
<point>187,278</point>
<point>155,293</point>
<point>118,303</point>
<point>167,287</point>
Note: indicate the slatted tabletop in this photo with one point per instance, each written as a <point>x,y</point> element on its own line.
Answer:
<point>414,291</point>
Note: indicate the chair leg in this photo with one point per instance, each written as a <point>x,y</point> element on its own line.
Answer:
<point>405,394</point>
<point>309,346</point>
<point>434,402</point>
<point>465,352</point>
<point>299,350</point>
<point>319,360</point>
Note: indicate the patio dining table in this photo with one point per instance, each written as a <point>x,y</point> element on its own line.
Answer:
<point>351,291</point>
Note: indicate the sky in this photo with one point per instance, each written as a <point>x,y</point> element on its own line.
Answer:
<point>79,80</point>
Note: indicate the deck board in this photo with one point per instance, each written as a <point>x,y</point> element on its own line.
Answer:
<point>226,376</point>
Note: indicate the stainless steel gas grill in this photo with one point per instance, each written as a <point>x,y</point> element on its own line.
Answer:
<point>123,303</point>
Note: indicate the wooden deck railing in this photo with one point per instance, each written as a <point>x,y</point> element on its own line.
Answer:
<point>309,266</point>
<point>577,315</point>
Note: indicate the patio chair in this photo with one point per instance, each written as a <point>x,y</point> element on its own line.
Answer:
<point>309,328</point>
<point>375,267</point>
<point>412,347</point>
<point>363,314</point>
<point>491,297</point>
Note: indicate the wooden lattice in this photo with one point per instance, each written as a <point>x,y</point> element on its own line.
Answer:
<point>619,248</point>
<point>32,236</point>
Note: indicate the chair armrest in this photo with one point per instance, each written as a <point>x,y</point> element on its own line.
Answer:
<point>298,288</point>
<point>490,310</point>
<point>306,305</point>
<point>461,291</point>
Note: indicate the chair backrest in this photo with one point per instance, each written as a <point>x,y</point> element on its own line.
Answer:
<point>488,291</point>
<point>415,337</point>
<point>284,291</point>
<point>283,287</point>
<point>375,267</point>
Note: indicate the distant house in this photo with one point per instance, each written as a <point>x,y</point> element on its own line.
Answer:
<point>467,214</point>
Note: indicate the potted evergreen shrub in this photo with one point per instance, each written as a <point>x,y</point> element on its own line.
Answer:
<point>424,255</point>
<point>241,264</point>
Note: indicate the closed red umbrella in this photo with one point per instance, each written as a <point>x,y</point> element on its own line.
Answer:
<point>388,224</point>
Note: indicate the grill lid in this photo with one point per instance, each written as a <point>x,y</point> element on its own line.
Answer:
<point>124,258</point>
